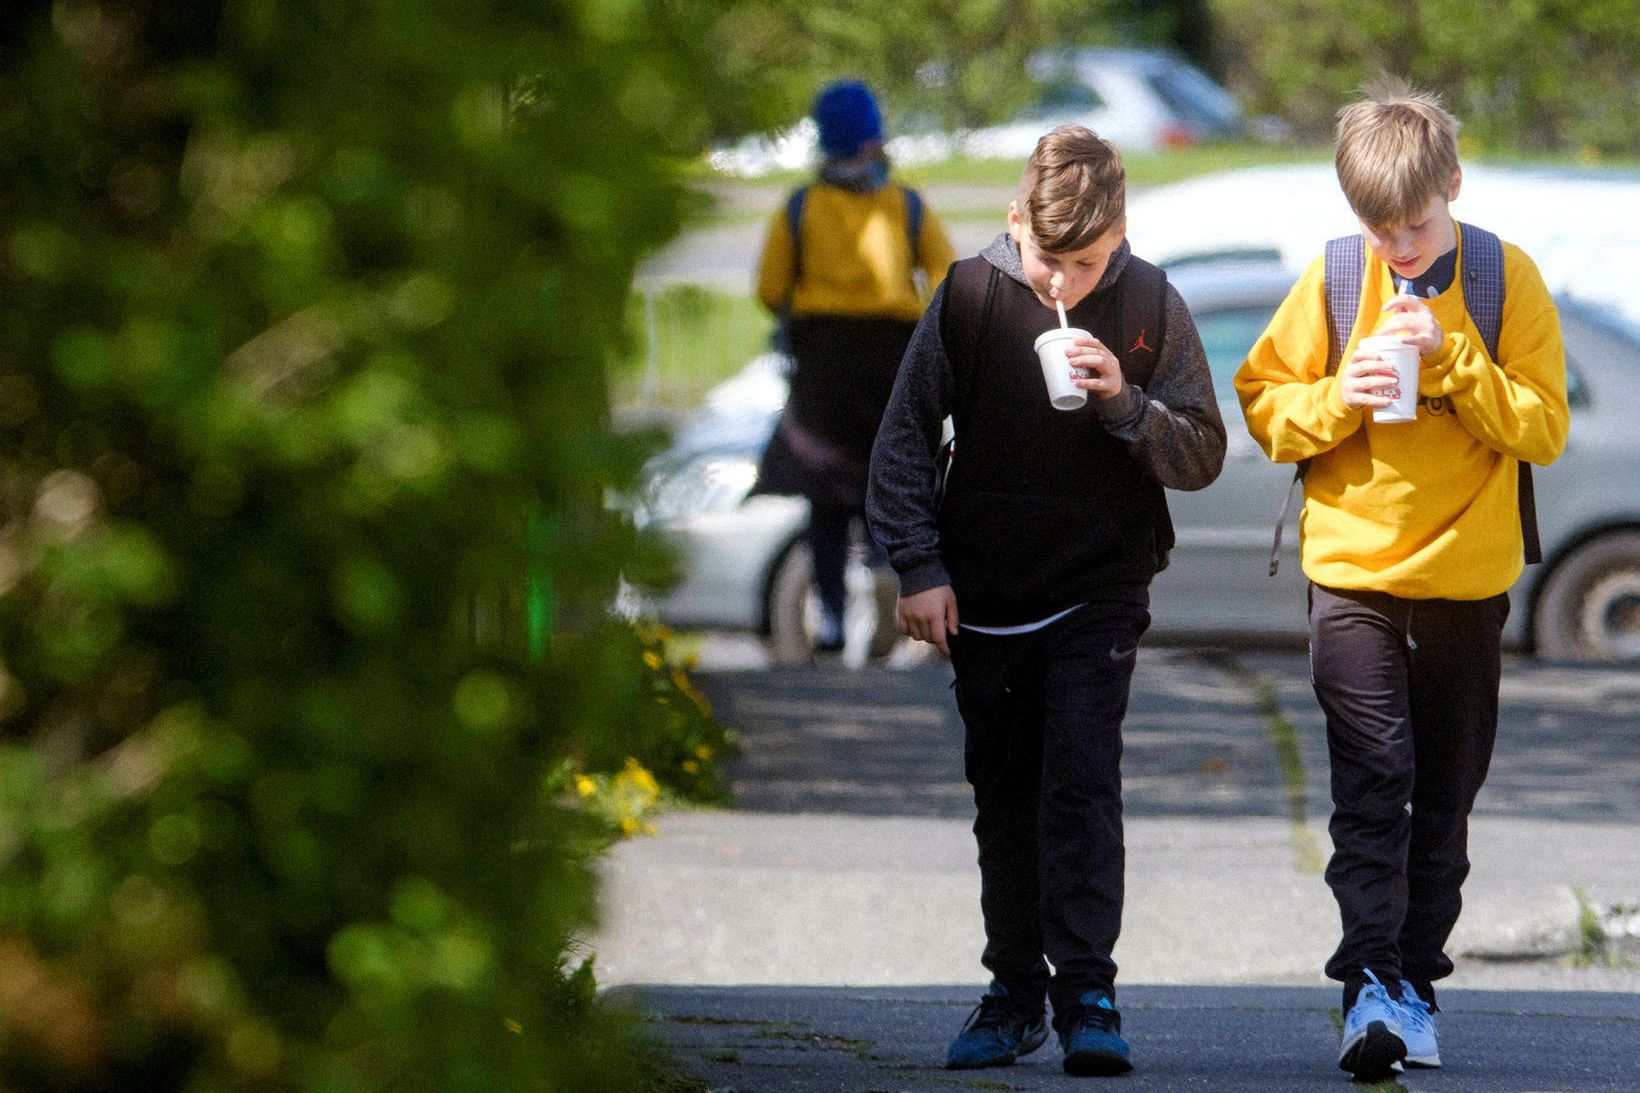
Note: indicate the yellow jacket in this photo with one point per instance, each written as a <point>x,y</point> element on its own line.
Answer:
<point>1422,509</point>
<point>857,259</point>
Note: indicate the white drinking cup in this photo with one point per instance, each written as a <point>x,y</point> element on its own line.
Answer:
<point>1056,367</point>
<point>1404,359</point>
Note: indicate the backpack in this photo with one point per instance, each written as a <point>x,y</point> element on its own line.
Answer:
<point>970,289</point>
<point>1483,298</point>
<point>781,336</point>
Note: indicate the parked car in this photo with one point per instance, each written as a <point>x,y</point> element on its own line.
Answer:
<point>747,570</point>
<point>1142,99</point>
<point>1577,224</point>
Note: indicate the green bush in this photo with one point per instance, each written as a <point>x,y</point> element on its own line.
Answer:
<point>307,307</point>
<point>1532,78</point>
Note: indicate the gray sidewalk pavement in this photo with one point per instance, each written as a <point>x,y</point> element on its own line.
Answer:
<point>824,934</point>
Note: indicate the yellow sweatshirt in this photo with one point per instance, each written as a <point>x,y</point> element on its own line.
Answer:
<point>1428,508</point>
<point>857,256</point>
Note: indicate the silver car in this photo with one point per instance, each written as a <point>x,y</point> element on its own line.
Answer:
<point>746,568</point>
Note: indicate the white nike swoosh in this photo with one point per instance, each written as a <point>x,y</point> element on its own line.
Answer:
<point>1122,654</point>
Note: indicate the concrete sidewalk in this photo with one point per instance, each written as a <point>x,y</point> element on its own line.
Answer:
<point>847,875</point>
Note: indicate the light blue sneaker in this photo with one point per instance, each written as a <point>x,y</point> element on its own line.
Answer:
<point>1373,1043</point>
<point>1091,1034</point>
<point>1000,1030</point>
<point>1418,1029</point>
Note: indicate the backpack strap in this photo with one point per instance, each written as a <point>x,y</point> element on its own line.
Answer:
<point>913,219</point>
<point>794,228</point>
<point>1346,260</point>
<point>1483,287</point>
<point>965,327</point>
<point>1345,263</point>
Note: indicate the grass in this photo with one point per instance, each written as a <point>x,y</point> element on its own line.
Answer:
<point>1284,739</point>
<point>684,340</point>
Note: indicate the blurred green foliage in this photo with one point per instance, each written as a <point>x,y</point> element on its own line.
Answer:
<point>938,63</point>
<point>1535,77</point>
<point>307,303</point>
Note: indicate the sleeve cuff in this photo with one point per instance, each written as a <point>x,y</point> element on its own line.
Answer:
<point>1121,415</point>
<point>922,577</point>
<point>1439,369</point>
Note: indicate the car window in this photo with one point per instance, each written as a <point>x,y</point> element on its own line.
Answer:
<point>1066,95</point>
<point>1193,96</point>
<point>1227,334</point>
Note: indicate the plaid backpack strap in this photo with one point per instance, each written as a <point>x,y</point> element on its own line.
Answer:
<point>1483,283</point>
<point>1483,298</point>
<point>1346,259</point>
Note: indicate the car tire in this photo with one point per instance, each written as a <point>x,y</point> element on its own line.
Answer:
<point>1590,605</point>
<point>790,640</point>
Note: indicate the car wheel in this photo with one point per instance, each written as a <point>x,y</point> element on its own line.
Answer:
<point>791,630</point>
<point>869,628</point>
<point>1590,606</point>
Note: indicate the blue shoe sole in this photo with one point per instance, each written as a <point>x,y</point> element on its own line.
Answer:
<point>1374,1054</point>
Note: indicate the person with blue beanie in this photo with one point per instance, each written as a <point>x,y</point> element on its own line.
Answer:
<point>849,263</point>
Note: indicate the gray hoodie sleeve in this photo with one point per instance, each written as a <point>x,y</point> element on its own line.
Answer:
<point>900,503</point>
<point>1173,428</point>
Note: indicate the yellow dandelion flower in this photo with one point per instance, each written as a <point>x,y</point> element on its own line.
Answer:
<point>690,766</point>
<point>640,777</point>
<point>585,786</point>
<point>629,826</point>
<point>653,659</point>
<point>513,1026</point>
<point>703,752</point>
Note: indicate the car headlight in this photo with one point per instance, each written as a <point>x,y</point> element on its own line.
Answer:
<point>705,484</point>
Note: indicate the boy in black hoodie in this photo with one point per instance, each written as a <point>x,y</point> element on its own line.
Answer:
<point>1048,531</point>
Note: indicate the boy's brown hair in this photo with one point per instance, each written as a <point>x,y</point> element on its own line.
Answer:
<point>1074,189</point>
<point>1396,150</point>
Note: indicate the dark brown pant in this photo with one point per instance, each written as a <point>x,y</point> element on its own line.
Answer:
<point>1410,691</point>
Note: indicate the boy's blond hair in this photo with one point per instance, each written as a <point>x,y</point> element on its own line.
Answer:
<point>1396,150</point>
<point>1074,189</point>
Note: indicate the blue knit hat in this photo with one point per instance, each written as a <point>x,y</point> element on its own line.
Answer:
<point>848,118</point>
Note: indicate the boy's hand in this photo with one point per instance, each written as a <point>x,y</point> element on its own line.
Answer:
<point>1094,368</point>
<point>930,615</point>
<point>1364,379</point>
<point>1410,319</point>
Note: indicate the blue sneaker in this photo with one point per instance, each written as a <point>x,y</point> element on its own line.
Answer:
<point>1373,1043</point>
<point>1091,1034</point>
<point>1418,1029</point>
<point>997,1032</point>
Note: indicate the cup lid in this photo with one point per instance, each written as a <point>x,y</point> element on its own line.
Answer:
<point>1055,333</point>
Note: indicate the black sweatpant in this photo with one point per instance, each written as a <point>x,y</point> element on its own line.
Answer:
<point>1043,713</point>
<point>1410,691</point>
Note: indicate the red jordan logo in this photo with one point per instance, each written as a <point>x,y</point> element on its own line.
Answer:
<point>1141,344</point>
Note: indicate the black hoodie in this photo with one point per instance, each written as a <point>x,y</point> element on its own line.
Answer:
<point>1171,434</point>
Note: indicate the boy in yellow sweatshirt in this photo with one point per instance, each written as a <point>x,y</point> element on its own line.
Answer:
<point>1411,536</point>
<point>850,261</point>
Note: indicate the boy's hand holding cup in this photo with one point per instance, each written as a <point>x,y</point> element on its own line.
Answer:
<point>1383,373</point>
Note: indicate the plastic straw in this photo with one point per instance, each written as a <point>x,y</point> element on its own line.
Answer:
<point>1060,304</point>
